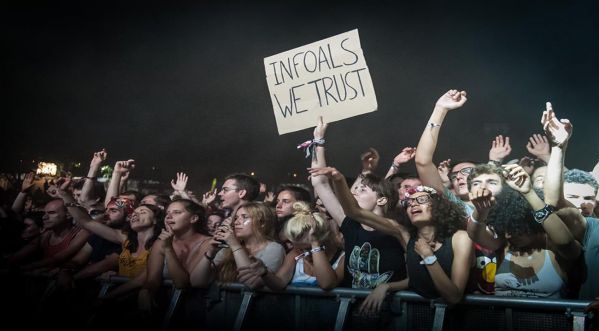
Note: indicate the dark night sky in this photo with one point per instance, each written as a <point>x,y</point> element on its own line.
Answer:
<point>182,86</point>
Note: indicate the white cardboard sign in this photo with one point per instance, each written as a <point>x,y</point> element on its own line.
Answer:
<point>327,78</point>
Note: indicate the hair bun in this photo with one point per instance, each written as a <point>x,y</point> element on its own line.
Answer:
<point>301,208</point>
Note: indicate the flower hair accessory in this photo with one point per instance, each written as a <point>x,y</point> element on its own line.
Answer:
<point>420,188</point>
<point>310,145</point>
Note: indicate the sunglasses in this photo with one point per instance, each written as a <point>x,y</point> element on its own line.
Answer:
<point>464,171</point>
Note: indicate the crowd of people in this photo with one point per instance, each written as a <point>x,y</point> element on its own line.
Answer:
<point>523,228</point>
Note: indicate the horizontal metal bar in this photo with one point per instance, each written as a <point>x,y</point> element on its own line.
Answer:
<point>473,299</point>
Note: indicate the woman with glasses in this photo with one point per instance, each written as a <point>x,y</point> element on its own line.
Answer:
<point>439,253</point>
<point>250,236</point>
<point>315,260</point>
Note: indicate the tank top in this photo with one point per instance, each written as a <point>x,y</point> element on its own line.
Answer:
<point>420,279</point>
<point>129,265</point>
<point>50,250</point>
<point>300,278</point>
<point>546,283</point>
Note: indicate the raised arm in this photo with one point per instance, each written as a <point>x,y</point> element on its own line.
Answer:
<point>556,229</point>
<point>85,221</point>
<point>500,149</point>
<point>121,168</point>
<point>321,184</point>
<point>477,228</point>
<point>427,171</point>
<point>26,186</point>
<point>87,191</point>
<point>179,185</point>
<point>352,209</point>
<point>403,157</point>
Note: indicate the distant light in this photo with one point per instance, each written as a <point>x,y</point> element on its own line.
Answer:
<point>294,174</point>
<point>78,164</point>
<point>252,173</point>
<point>47,168</point>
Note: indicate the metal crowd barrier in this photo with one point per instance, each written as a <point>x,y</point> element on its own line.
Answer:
<point>486,312</point>
<point>172,305</point>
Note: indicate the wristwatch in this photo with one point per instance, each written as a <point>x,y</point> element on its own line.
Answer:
<point>429,260</point>
<point>542,214</point>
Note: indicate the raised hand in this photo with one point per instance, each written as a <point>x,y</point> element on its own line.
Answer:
<point>404,156</point>
<point>453,99</point>
<point>326,171</point>
<point>528,164</point>
<point>557,131</point>
<point>538,145</point>
<point>370,159</point>
<point>98,158</point>
<point>181,183</point>
<point>320,129</point>
<point>443,170</point>
<point>517,178</point>
<point>269,197</point>
<point>28,182</point>
<point>209,197</point>
<point>123,167</point>
<point>500,148</point>
<point>483,200</point>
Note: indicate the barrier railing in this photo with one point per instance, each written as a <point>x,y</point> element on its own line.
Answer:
<point>236,307</point>
<point>518,313</point>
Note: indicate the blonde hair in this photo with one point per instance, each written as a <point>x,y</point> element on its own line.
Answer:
<point>263,227</point>
<point>298,227</point>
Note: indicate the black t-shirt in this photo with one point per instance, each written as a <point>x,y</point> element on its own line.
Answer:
<point>371,257</point>
<point>420,279</point>
<point>101,248</point>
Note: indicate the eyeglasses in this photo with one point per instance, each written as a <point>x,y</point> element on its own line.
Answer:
<point>420,200</point>
<point>227,189</point>
<point>464,171</point>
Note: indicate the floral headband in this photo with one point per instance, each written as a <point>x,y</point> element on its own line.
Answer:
<point>420,188</point>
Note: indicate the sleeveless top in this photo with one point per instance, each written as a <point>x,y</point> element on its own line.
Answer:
<point>300,278</point>
<point>192,251</point>
<point>49,250</point>
<point>546,283</point>
<point>129,265</point>
<point>420,279</point>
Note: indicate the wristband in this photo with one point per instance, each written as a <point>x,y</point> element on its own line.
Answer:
<point>542,214</point>
<point>433,125</point>
<point>236,249</point>
<point>429,260</point>
<point>90,178</point>
<point>317,249</point>
<point>470,218</point>
<point>210,258</point>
